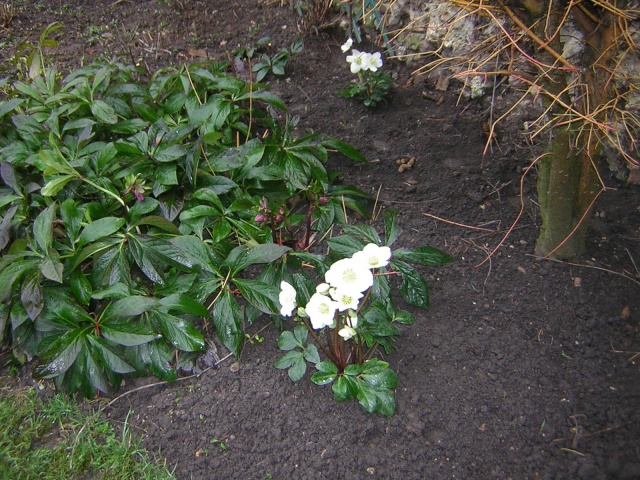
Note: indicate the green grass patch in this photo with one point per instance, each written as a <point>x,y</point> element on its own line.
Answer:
<point>54,439</point>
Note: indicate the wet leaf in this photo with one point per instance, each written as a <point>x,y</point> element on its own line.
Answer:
<point>57,359</point>
<point>344,388</point>
<point>31,297</point>
<point>100,228</point>
<point>414,289</point>
<point>262,296</point>
<point>42,227</point>
<point>227,317</point>
<point>423,255</point>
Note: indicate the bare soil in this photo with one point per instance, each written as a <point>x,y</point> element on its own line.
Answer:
<point>523,368</point>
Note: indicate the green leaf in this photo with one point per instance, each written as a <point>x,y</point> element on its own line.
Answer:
<point>42,227</point>
<point>13,271</point>
<point>263,253</point>
<point>61,354</point>
<point>297,369</point>
<point>132,306</point>
<point>184,304</point>
<point>170,154</point>
<point>423,255</point>
<point>404,317</point>
<point>385,378</point>
<point>391,228</point>
<point>71,218</point>
<point>110,358</point>
<point>157,357</point>
<point>353,370</point>
<point>55,184</point>
<point>345,245</point>
<point>104,112</point>
<point>414,288</point>
<point>31,297</point>
<point>323,378</point>
<point>10,106</point>
<point>344,148</point>
<point>287,341</point>
<point>311,354</point>
<point>288,359</point>
<point>262,296</point>
<point>158,222</point>
<point>327,367</point>
<point>227,317</point>
<point>126,333</point>
<point>344,388</point>
<point>100,228</point>
<point>182,334</point>
<point>80,287</point>
<point>51,267</point>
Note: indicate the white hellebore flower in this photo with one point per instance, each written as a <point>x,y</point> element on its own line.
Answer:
<point>374,61</point>
<point>346,299</point>
<point>347,45</point>
<point>321,310</point>
<point>287,299</point>
<point>349,275</point>
<point>347,332</point>
<point>373,256</point>
<point>323,289</point>
<point>357,60</point>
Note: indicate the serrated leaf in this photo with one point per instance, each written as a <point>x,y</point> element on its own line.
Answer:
<point>126,333</point>
<point>104,112</point>
<point>423,255</point>
<point>227,318</point>
<point>51,267</point>
<point>61,354</point>
<point>263,253</point>
<point>80,287</point>
<point>414,288</point>
<point>404,317</point>
<point>71,218</point>
<point>347,150</point>
<point>8,173</point>
<point>184,304</point>
<point>100,228</point>
<point>345,245</point>
<point>157,357</point>
<point>31,297</point>
<point>344,388</point>
<point>391,228</point>
<point>111,359</point>
<point>323,378</point>
<point>262,296</point>
<point>132,306</point>
<point>159,222</point>
<point>55,184</point>
<point>182,334</point>
<point>42,227</point>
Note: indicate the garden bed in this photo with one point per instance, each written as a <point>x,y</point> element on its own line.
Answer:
<point>522,367</point>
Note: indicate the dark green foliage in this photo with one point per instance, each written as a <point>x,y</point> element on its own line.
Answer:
<point>128,215</point>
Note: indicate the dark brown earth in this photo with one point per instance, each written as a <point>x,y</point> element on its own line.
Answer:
<point>523,368</point>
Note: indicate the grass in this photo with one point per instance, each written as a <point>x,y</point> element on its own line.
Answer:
<point>54,439</point>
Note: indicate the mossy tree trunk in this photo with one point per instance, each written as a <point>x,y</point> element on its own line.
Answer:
<point>568,182</point>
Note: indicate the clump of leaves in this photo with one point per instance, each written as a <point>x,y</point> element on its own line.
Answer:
<point>269,63</point>
<point>352,313</point>
<point>128,215</point>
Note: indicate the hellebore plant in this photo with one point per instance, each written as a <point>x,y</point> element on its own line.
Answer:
<point>372,86</point>
<point>352,312</point>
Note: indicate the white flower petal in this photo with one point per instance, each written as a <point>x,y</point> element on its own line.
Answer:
<point>321,310</point>
<point>287,299</point>
<point>346,300</point>
<point>347,45</point>
<point>373,256</point>
<point>349,275</point>
<point>347,333</point>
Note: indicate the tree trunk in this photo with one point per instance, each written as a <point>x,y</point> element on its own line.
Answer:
<point>567,186</point>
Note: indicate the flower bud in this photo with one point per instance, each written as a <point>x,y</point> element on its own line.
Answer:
<point>279,218</point>
<point>259,218</point>
<point>323,200</point>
